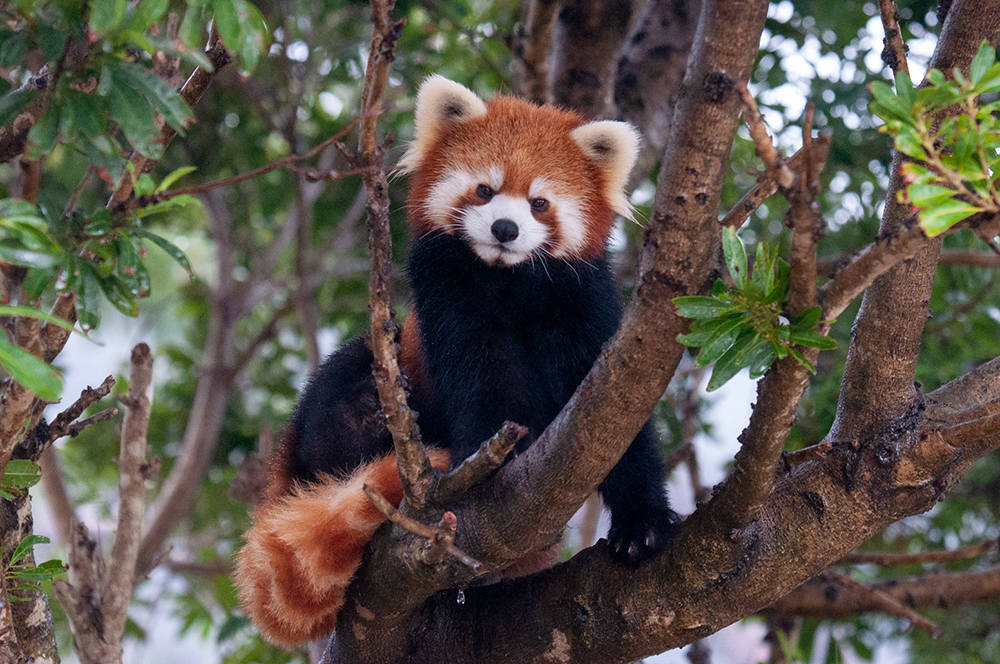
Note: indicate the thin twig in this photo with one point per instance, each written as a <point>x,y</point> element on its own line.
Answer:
<point>61,425</point>
<point>965,257</point>
<point>888,604</point>
<point>284,162</point>
<point>490,456</point>
<point>411,458</point>
<point>765,188</point>
<point>417,528</point>
<point>899,559</point>
<point>894,53</point>
<point>777,170</point>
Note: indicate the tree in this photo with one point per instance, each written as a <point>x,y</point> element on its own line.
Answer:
<point>827,462</point>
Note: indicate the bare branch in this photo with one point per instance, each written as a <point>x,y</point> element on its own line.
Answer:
<point>133,471</point>
<point>946,589</point>
<point>871,262</point>
<point>441,537</point>
<point>894,53</point>
<point>886,603</point>
<point>966,257</point>
<point>60,425</point>
<point>587,39</point>
<point>414,466</point>
<point>490,456</point>
<point>883,559</point>
<point>54,337</point>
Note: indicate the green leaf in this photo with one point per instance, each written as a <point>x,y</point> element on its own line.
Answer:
<point>928,195</point>
<point>135,117</point>
<point>191,31</point>
<point>21,474</point>
<point>160,95</point>
<point>40,377</point>
<point>760,359</point>
<point>705,329</point>
<point>118,295</point>
<point>808,318</point>
<point>908,142</point>
<point>227,21</point>
<point>13,48</point>
<point>84,113</point>
<point>904,90</point>
<point>144,185</point>
<point>167,246</point>
<point>232,625</point>
<point>736,257</point>
<point>700,307</point>
<point>106,15</point>
<point>721,339</point>
<point>163,206</point>
<point>13,103</point>
<point>51,41</point>
<point>938,219</point>
<point>735,358</point>
<point>985,57</point>
<point>990,82</point>
<point>147,13</point>
<point>174,176</point>
<point>888,106</point>
<point>812,339</point>
<point>45,134</point>
<point>26,546</point>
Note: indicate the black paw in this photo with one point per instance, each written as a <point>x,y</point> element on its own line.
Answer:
<point>643,535</point>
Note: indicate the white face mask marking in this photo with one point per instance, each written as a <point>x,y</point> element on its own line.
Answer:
<point>478,224</point>
<point>569,213</point>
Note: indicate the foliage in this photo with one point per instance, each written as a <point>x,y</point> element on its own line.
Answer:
<point>20,475</point>
<point>20,574</point>
<point>952,134</point>
<point>742,326</point>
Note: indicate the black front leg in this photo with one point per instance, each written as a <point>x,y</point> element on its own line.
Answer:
<point>641,519</point>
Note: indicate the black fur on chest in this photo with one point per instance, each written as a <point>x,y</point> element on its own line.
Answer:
<point>504,342</point>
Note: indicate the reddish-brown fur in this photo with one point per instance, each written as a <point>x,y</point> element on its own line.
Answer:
<point>526,141</point>
<point>305,546</point>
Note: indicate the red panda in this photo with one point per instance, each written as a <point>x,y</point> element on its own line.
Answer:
<point>511,207</point>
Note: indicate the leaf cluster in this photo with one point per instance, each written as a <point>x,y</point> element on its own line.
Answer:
<point>20,574</point>
<point>952,137</point>
<point>742,326</point>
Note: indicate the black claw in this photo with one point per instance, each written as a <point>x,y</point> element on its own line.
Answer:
<point>641,537</point>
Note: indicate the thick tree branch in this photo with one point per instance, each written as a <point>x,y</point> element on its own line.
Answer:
<point>650,71</point>
<point>533,48</point>
<point>587,39</point>
<point>889,325</point>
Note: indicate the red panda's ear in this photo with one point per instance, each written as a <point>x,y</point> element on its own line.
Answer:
<point>614,147</point>
<point>440,103</point>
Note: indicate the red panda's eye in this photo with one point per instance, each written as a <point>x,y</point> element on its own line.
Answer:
<point>539,205</point>
<point>484,192</point>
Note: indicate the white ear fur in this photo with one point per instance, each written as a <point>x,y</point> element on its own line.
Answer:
<point>440,102</point>
<point>614,146</point>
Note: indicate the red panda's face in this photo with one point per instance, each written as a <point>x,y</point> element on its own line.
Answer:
<point>515,180</point>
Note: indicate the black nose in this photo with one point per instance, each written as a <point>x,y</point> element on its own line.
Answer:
<point>504,230</point>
